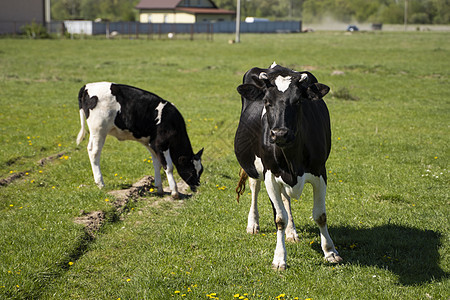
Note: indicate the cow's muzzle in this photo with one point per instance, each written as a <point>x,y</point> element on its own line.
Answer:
<point>280,136</point>
<point>194,188</point>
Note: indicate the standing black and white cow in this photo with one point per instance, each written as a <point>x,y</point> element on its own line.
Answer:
<point>129,113</point>
<point>284,138</point>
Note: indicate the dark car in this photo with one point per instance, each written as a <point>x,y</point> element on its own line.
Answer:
<point>352,28</point>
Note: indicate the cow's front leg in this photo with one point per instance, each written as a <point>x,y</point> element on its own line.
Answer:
<point>169,173</point>
<point>320,216</point>
<point>157,166</point>
<point>94,148</point>
<point>291,232</point>
<point>253,215</point>
<point>281,219</point>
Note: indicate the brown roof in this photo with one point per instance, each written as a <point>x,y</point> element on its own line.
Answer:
<point>158,4</point>
<point>212,11</point>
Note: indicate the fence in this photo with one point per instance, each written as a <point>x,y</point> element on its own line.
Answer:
<point>158,30</point>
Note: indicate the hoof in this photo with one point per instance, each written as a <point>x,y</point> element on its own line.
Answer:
<point>100,185</point>
<point>253,229</point>
<point>176,196</point>
<point>333,258</point>
<point>292,238</point>
<point>160,192</point>
<point>279,266</point>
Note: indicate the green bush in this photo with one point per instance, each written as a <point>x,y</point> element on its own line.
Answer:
<point>35,31</point>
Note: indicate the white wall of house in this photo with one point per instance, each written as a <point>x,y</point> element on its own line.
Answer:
<point>168,16</point>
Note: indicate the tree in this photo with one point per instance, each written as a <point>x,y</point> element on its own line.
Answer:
<point>310,11</point>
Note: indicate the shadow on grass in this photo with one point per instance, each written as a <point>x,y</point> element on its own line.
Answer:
<point>411,253</point>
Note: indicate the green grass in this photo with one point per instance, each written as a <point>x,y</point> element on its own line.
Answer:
<point>387,201</point>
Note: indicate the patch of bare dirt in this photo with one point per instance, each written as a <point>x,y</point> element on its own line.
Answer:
<point>47,159</point>
<point>92,221</point>
<point>8,180</point>
<point>11,178</point>
<point>138,189</point>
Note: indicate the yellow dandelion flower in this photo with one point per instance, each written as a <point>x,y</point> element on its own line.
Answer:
<point>312,242</point>
<point>128,280</point>
<point>11,205</point>
<point>106,199</point>
<point>70,263</point>
<point>177,292</point>
<point>59,145</point>
<point>435,157</point>
<point>236,296</point>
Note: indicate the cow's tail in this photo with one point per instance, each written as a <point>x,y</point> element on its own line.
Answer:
<point>82,132</point>
<point>240,189</point>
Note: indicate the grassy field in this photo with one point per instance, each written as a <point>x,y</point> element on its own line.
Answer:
<point>388,193</point>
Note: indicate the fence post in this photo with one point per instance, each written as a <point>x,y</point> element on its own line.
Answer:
<point>150,30</point>
<point>107,30</point>
<point>212,31</point>
<point>137,30</point>
<point>192,32</point>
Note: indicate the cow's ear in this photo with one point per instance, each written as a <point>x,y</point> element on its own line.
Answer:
<point>199,154</point>
<point>250,91</point>
<point>317,91</point>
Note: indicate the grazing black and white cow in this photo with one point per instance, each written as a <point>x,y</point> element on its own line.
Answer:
<point>129,113</point>
<point>284,138</point>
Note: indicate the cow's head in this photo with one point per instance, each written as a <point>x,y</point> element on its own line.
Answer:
<point>282,91</point>
<point>190,169</point>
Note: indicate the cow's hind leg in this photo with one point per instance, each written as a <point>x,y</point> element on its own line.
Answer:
<point>95,146</point>
<point>253,215</point>
<point>320,216</point>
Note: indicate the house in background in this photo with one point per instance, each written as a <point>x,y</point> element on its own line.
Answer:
<point>182,11</point>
